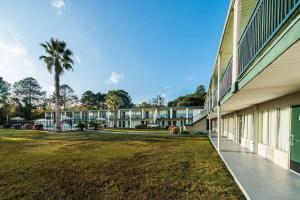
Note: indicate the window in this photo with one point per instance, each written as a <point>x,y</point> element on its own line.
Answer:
<point>284,129</point>
<point>273,128</point>
<point>265,128</point>
<point>250,127</point>
<point>163,123</point>
<point>174,123</point>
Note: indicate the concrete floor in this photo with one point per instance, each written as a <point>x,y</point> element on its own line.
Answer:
<point>259,178</point>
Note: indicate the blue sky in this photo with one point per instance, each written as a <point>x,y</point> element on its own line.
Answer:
<point>147,47</point>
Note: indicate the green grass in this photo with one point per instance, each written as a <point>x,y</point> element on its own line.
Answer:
<point>128,130</point>
<point>38,165</point>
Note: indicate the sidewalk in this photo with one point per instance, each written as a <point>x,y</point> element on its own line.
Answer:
<point>260,178</point>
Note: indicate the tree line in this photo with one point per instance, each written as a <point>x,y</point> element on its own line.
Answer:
<point>27,99</point>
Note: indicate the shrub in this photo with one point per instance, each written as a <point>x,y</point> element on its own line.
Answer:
<point>28,126</point>
<point>7,126</point>
<point>185,133</point>
<point>94,124</point>
<point>38,126</point>
<point>171,127</point>
<point>174,130</point>
<point>82,125</point>
<point>16,126</point>
<point>141,126</point>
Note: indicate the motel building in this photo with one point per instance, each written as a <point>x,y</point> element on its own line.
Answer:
<point>128,118</point>
<point>254,91</point>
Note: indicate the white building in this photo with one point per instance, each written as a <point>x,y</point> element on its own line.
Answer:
<point>129,118</point>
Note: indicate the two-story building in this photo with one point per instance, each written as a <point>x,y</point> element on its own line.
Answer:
<point>129,118</point>
<point>254,92</point>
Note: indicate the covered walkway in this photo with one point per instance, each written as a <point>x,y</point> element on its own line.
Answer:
<point>260,178</point>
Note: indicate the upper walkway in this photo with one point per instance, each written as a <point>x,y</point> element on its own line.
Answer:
<point>260,178</point>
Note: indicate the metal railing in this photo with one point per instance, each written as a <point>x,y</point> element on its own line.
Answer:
<point>200,115</point>
<point>226,79</point>
<point>215,98</point>
<point>268,17</point>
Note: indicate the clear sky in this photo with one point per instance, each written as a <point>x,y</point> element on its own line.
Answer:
<point>147,47</point>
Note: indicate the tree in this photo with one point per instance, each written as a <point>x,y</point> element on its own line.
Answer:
<point>145,105</point>
<point>158,101</point>
<point>116,99</point>
<point>4,94</point>
<point>58,59</point>
<point>4,91</point>
<point>195,99</point>
<point>88,99</point>
<point>91,100</point>
<point>200,90</point>
<point>100,100</point>
<point>27,95</point>
<point>67,96</point>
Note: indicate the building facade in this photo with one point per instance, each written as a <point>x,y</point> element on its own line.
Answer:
<point>254,92</point>
<point>130,118</point>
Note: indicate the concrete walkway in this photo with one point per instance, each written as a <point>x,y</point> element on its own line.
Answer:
<point>258,177</point>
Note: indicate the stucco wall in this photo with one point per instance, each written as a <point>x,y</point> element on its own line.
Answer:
<point>198,126</point>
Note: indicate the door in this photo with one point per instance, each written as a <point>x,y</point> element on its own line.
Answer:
<point>295,139</point>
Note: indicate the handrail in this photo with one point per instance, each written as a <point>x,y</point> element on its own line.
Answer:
<point>200,115</point>
<point>267,19</point>
<point>226,79</point>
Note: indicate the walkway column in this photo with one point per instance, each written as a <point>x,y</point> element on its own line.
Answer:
<point>187,116</point>
<point>142,113</point>
<point>107,118</point>
<point>236,128</point>
<point>236,37</point>
<point>130,120</point>
<point>155,115</point>
<point>171,113</point>
<point>255,129</point>
<point>89,117</point>
<point>208,111</point>
<point>219,106</point>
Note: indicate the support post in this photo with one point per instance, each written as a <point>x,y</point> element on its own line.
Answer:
<point>236,128</point>
<point>130,120</point>
<point>209,117</point>
<point>219,106</point>
<point>235,39</point>
<point>256,129</point>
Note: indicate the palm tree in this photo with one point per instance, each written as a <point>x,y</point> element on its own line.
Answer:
<point>58,59</point>
<point>113,102</point>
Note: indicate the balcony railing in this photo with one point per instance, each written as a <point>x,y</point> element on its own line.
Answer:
<point>226,79</point>
<point>136,117</point>
<point>200,115</point>
<point>268,17</point>
<point>215,98</point>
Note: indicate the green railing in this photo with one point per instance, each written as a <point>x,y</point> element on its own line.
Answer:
<point>226,79</point>
<point>268,17</point>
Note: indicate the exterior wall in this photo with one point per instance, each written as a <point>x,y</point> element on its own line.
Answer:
<point>197,127</point>
<point>130,118</point>
<point>269,151</point>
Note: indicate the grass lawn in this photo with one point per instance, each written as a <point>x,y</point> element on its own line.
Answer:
<point>131,130</point>
<point>38,165</point>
